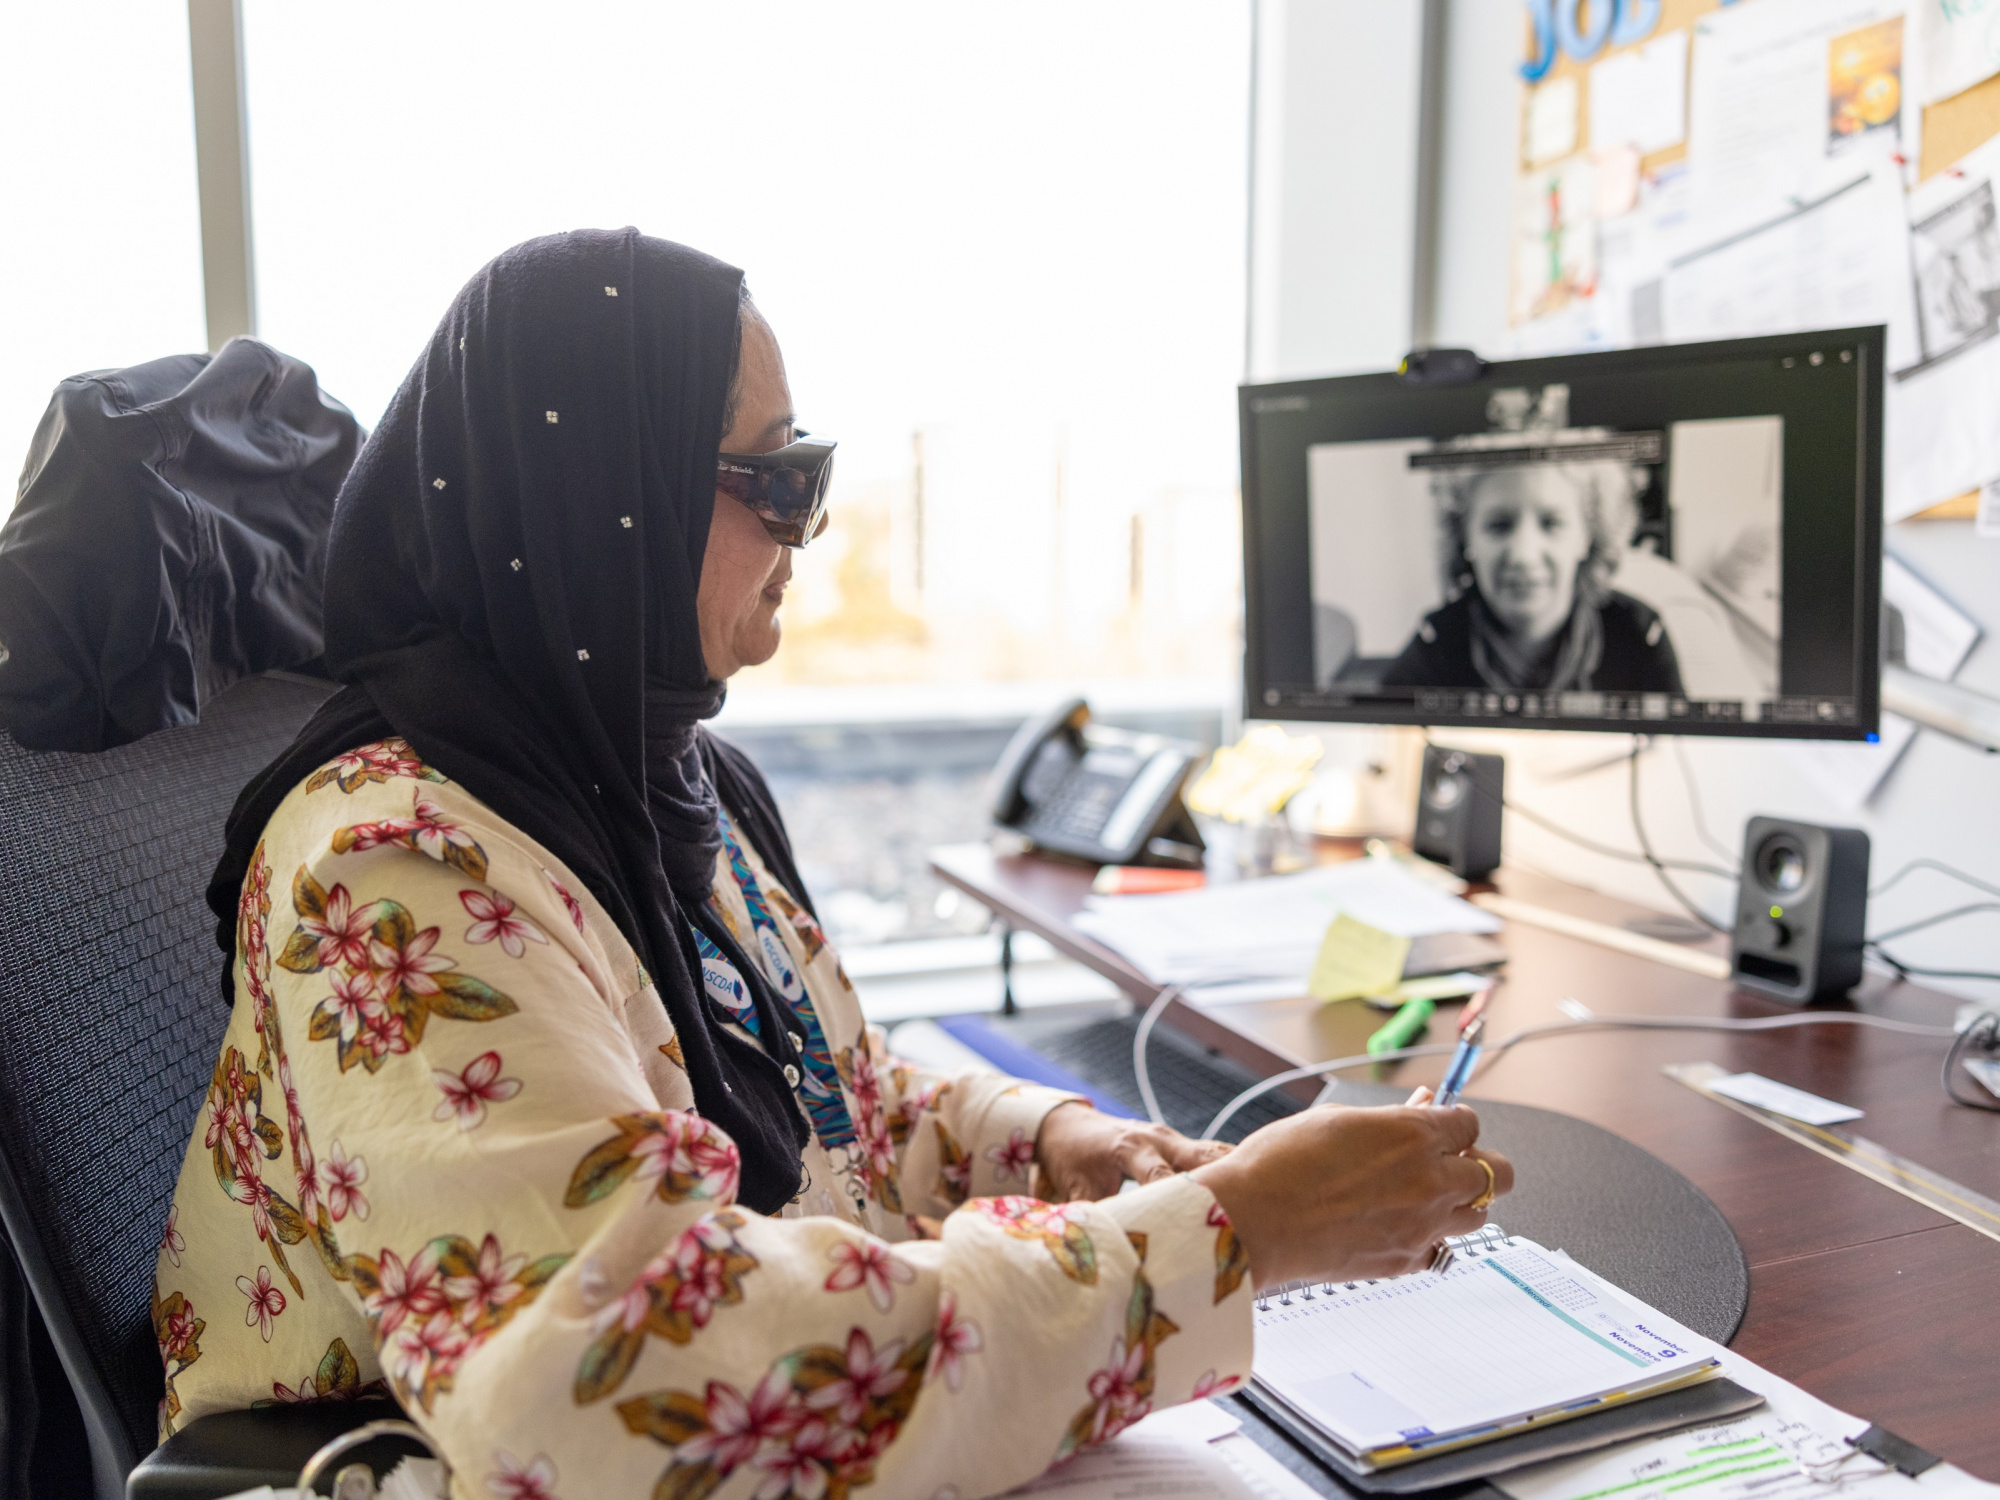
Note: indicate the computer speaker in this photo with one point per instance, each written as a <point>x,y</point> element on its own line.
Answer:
<point>1801,910</point>
<point>1458,811</point>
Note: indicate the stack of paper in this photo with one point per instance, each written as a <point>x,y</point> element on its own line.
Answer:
<point>1256,938</point>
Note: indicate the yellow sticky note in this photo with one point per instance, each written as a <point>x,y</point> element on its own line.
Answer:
<point>1356,960</point>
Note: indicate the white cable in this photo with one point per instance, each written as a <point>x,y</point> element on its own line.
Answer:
<point>1292,1075</point>
<point>1140,1071</point>
<point>1578,1011</point>
<point>1151,1017</point>
<point>1594,1022</point>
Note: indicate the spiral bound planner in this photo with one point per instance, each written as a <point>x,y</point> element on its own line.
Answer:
<point>1506,1338</point>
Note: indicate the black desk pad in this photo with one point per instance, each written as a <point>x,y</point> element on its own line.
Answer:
<point>1620,1210</point>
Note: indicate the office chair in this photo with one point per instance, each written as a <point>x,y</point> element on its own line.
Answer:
<point>110,1017</point>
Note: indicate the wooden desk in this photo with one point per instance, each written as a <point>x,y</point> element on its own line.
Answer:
<point>1862,1296</point>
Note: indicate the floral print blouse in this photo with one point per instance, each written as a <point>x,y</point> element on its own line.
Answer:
<point>450,1152</point>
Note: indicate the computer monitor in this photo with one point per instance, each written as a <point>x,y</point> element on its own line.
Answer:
<point>1683,540</point>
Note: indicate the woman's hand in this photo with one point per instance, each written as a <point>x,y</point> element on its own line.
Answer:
<point>1348,1193</point>
<point>1085,1154</point>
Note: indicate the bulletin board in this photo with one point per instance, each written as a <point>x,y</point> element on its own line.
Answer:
<point>1951,128</point>
<point>1675,15</point>
<point>1947,132</point>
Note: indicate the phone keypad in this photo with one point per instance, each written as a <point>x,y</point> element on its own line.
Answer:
<point>1079,807</point>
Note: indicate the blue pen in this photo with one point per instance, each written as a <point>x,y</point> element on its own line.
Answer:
<point>1462,1063</point>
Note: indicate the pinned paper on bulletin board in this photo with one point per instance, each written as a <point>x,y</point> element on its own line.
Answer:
<point>1931,452</point>
<point>1769,166</point>
<point>1865,86</point>
<point>1555,239</point>
<point>1958,43</point>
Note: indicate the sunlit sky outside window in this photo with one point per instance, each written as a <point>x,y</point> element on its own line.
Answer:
<point>100,232</point>
<point>1002,248</point>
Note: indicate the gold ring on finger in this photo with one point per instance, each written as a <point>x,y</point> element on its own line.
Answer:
<point>1485,1200</point>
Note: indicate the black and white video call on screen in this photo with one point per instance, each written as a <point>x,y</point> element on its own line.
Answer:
<point>1681,539</point>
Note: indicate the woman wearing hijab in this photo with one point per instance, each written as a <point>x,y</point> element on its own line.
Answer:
<point>1529,553</point>
<point>544,1103</point>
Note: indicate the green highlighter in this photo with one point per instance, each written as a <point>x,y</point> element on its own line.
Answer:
<point>1404,1027</point>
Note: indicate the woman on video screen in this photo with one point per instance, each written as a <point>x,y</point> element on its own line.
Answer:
<point>1529,553</point>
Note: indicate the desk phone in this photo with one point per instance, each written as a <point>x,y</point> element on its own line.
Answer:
<point>1097,793</point>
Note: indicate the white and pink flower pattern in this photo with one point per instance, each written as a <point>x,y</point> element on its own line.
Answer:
<point>390,940</point>
<point>1115,1389</point>
<point>957,1337</point>
<point>435,1308</point>
<point>467,1093</point>
<point>489,1286</point>
<point>353,1001</point>
<point>426,1354</point>
<point>171,1242</point>
<point>177,1330</point>
<point>385,1034</point>
<point>494,920</point>
<point>872,1375</point>
<point>265,1301</point>
<point>381,761</point>
<point>340,1179</point>
<point>869,1264</point>
<point>343,931</point>
<point>702,1270</point>
<point>739,1425</point>
<point>408,967</point>
<point>570,903</point>
<point>1012,1159</point>
<point>687,1146</point>
<point>407,1291</point>
<point>512,1479</point>
<point>435,834</point>
<point>1210,1384</point>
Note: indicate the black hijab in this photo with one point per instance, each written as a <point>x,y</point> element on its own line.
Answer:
<point>511,588</point>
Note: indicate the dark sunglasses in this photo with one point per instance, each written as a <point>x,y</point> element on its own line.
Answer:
<point>785,488</point>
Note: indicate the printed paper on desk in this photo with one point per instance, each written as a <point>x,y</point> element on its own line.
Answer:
<point>1271,929</point>
<point>1154,1464</point>
<point>1782,1099</point>
<point>1799,1443</point>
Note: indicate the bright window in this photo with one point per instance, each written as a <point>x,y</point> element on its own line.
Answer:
<point>1003,249</point>
<point>100,261</point>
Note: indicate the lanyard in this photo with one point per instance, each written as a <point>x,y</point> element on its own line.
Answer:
<point>819,1085</point>
<point>720,979</point>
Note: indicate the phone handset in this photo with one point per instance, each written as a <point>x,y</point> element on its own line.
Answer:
<point>1010,806</point>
